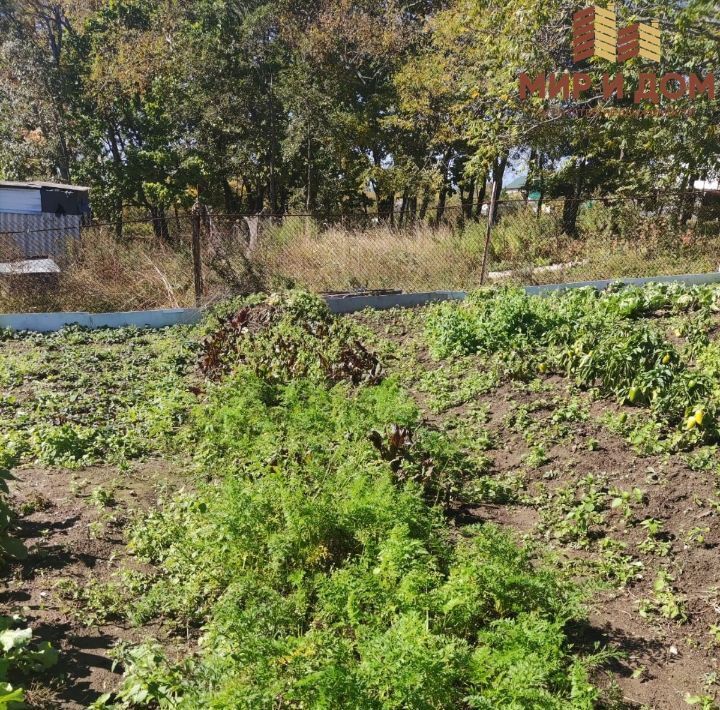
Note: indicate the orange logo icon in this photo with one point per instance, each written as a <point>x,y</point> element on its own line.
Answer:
<point>596,34</point>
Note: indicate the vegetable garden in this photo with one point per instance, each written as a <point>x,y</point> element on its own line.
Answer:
<point>509,502</point>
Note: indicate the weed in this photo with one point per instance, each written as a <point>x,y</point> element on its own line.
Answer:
<point>616,566</point>
<point>653,544</point>
<point>697,535</point>
<point>625,501</point>
<point>714,632</point>
<point>102,497</point>
<point>574,514</point>
<point>536,457</point>
<point>665,601</point>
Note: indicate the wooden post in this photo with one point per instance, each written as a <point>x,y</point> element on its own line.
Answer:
<point>197,260</point>
<point>488,231</point>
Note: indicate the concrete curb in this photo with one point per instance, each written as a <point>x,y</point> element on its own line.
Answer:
<point>689,279</point>
<point>50,322</point>
<point>351,304</point>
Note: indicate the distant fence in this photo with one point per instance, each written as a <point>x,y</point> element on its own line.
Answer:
<point>189,258</point>
<point>30,236</point>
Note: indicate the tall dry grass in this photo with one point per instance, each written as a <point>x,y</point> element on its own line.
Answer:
<point>378,257</point>
<point>107,275</point>
<point>140,273</point>
<point>524,248</point>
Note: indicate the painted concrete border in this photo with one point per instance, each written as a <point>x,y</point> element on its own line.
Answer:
<point>689,279</point>
<point>49,322</point>
<point>379,302</point>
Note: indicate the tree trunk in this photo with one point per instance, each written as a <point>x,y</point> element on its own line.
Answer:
<point>440,209</point>
<point>229,197</point>
<point>424,204</point>
<point>571,207</point>
<point>160,224</point>
<point>412,208</point>
<point>498,173</point>
<point>467,200</point>
<point>482,189</point>
<point>64,165</point>
<point>403,207</point>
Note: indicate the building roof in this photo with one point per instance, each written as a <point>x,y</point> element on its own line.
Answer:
<point>707,185</point>
<point>39,185</point>
<point>517,184</point>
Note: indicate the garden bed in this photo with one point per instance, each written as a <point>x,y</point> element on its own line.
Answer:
<point>308,496</point>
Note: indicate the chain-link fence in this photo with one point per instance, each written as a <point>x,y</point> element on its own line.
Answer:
<point>202,256</point>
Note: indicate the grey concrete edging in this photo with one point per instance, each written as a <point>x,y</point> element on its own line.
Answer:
<point>49,322</point>
<point>689,279</point>
<point>379,302</point>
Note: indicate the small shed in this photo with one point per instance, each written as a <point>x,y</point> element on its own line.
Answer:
<point>40,219</point>
<point>517,186</point>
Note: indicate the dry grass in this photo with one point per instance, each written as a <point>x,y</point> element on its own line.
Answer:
<point>142,273</point>
<point>426,258</point>
<point>108,275</point>
<point>127,276</point>
<point>339,259</point>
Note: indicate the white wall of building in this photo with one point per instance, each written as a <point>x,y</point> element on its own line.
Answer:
<point>20,200</point>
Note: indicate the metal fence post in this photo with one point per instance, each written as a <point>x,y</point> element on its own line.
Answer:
<point>488,230</point>
<point>197,260</point>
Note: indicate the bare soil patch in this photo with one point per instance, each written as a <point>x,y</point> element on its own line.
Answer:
<point>72,537</point>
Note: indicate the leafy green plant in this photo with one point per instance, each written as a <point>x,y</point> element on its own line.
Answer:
<point>653,544</point>
<point>322,572</point>
<point>601,341</point>
<point>102,497</point>
<point>536,457</point>
<point>616,565</point>
<point>665,601</point>
<point>625,501</point>
<point>574,514</point>
<point>19,657</point>
<point>290,335</point>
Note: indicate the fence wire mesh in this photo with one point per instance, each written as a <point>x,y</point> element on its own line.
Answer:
<point>57,265</point>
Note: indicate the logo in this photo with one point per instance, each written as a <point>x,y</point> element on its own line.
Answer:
<point>595,34</point>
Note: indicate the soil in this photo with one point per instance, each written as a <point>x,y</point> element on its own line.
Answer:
<point>72,537</point>
<point>662,661</point>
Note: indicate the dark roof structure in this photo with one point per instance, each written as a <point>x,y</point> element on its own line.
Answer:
<point>40,185</point>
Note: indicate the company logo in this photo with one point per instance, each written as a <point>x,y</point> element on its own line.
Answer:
<point>595,34</point>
